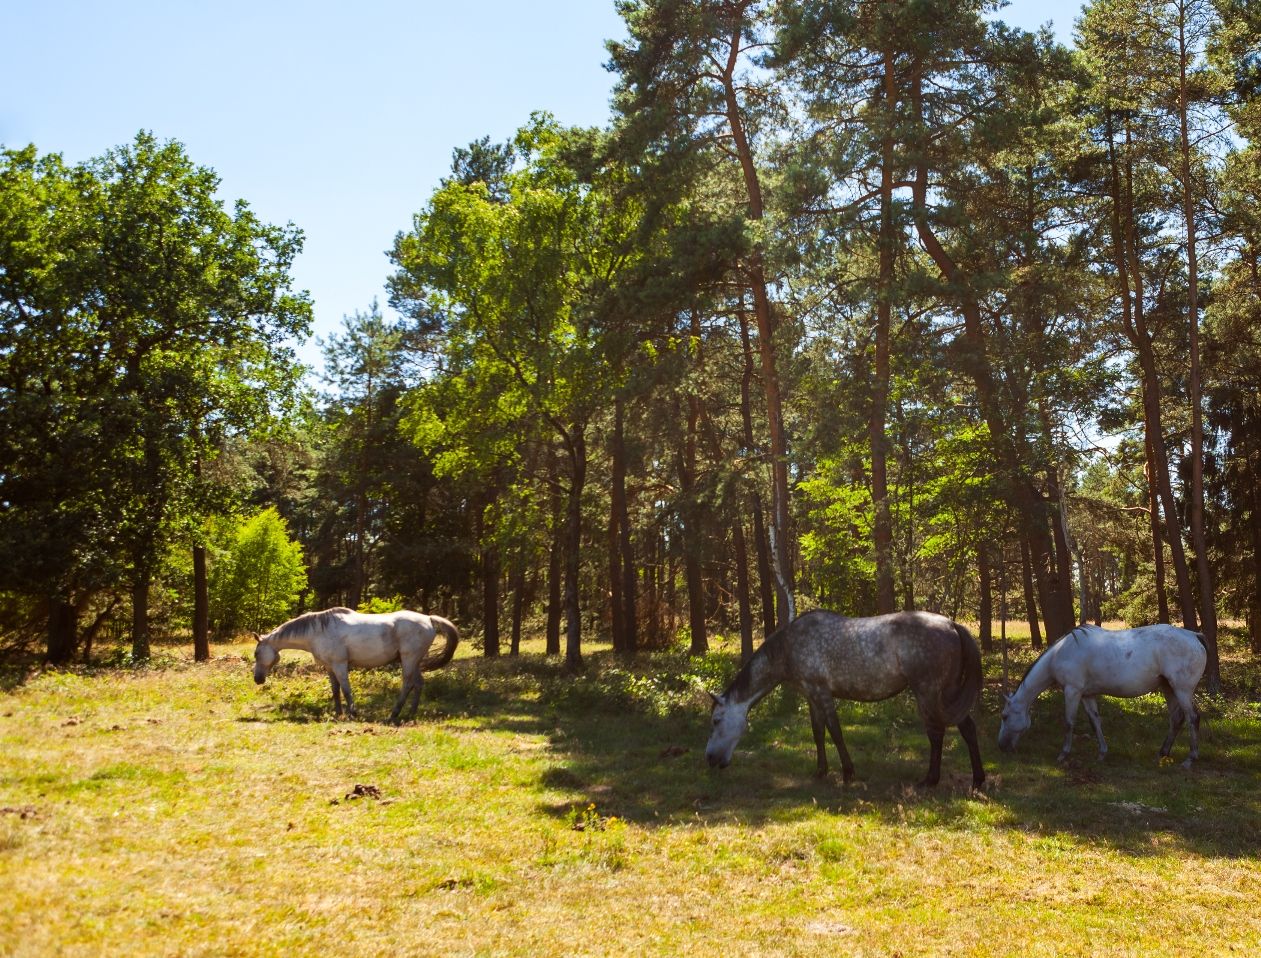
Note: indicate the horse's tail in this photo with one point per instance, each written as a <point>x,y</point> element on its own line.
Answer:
<point>956,707</point>
<point>450,637</point>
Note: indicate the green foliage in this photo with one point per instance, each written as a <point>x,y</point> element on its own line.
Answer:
<point>142,326</point>
<point>378,604</point>
<point>257,584</point>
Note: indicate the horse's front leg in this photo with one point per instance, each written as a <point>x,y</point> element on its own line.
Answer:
<point>1072,699</point>
<point>337,694</point>
<point>1092,712</point>
<point>341,672</point>
<point>826,706</point>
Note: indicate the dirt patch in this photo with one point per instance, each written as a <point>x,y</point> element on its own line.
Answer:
<point>358,792</point>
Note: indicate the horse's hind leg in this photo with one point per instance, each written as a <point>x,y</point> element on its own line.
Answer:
<point>402,698</point>
<point>1186,703</point>
<point>818,726</point>
<point>412,682</point>
<point>967,728</point>
<point>936,736</point>
<point>416,689</point>
<point>1177,716</point>
<point>337,694</point>
<point>1092,712</point>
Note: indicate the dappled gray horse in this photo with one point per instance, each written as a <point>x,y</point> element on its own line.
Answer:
<point>1091,661</point>
<point>828,656</point>
<point>341,639</point>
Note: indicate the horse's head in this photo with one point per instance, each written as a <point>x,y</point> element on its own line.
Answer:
<point>1015,721</point>
<point>729,720</point>
<point>265,659</point>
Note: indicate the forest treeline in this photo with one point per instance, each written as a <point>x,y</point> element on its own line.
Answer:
<point>861,305</point>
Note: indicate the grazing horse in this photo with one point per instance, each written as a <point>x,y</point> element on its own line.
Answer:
<point>341,639</point>
<point>1091,661</point>
<point>828,656</point>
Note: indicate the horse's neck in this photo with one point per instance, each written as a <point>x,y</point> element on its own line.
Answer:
<point>1039,679</point>
<point>758,677</point>
<point>301,643</point>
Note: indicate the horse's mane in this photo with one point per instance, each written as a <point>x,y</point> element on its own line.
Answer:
<point>773,651</point>
<point>1049,646</point>
<point>307,623</point>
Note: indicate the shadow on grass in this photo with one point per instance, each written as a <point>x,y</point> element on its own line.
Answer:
<point>631,757</point>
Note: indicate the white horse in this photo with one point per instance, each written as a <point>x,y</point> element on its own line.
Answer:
<point>1091,661</point>
<point>341,639</point>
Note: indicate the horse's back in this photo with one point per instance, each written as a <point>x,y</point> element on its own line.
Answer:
<point>1129,662</point>
<point>873,658</point>
<point>366,640</point>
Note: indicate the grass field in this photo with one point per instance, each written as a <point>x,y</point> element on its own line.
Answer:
<point>181,810</point>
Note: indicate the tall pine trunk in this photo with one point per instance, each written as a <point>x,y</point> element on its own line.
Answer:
<point>1254,618</point>
<point>1134,314</point>
<point>621,508</point>
<point>576,446</point>
<point>882,526</point>
<point>766,592</point>
<point>616,608</point>
<point>986,611</point>
<point>780,547</point>
<point>554,566</point>
<point>518,607</point>
<point>1199,542</point>
<point>201,594</point>
<point>690,513</point>
<point>1031,609</point>
<point>490,600</point>
<point>1158,541</point>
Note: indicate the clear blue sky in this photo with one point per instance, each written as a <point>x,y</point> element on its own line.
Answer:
<point>337,116</point>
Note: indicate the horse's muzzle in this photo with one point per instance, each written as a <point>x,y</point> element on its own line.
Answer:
<point>260,679</point>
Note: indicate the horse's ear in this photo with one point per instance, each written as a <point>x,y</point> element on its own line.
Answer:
<point>256,637</point>
<point>705,696</point>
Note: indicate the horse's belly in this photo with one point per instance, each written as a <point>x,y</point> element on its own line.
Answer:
<point>877,689</point>
<point>1126,687</point>
<point>373,653</point>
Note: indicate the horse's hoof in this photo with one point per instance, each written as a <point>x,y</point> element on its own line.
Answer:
<point>847,776</point>
<point>1187,764</point>
<point>927,783</point>
<point>820,773</point>
<point>1102,756</point>
<point>1062,757</point>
